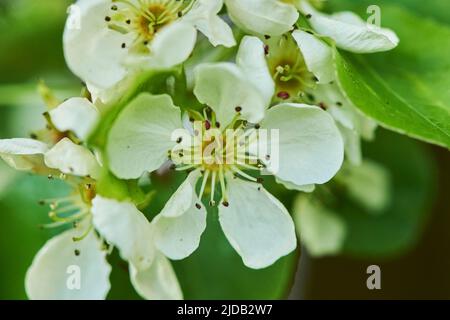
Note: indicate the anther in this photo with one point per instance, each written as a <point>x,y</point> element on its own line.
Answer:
<point>124,45</point>
<point>238,109</point>
<point>266,49</point>
<point>308,16</point>
<point>107,18</point>
<point>207,125</point>
<point>198,206</point>
<point>77,252</point>
<point>179,140</point>
<point>283,95</point>
<point>322,106</point>
<point>257,126</point>
<point>267,37</point>
<point>225,204</point>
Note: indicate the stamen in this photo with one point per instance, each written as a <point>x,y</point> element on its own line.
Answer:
<point>202,189</point>
<point>213,188</point>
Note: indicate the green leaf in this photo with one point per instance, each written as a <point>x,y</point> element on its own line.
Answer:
<point>406,89</point>
<point>398,226</point>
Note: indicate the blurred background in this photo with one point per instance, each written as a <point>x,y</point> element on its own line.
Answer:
<point>410,240</point>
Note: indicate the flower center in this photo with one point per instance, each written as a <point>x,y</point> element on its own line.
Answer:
<point>218,152</point>
<point>144,18</point>
<point>73,208</point>
<point>288,68</point>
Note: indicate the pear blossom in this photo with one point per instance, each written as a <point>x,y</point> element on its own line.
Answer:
<point>117,37</point>
<point>299,68</point>
<point>151,130</point>
<point>82,251</point>
<point>277,17</point>
<point>73,264</point>
<point>56,149</point>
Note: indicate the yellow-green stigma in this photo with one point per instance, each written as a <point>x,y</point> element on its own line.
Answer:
<point>288,68</point>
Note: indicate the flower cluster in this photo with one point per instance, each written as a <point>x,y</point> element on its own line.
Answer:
<point>226,108</point>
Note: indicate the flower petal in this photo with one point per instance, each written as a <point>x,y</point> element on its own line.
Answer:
<point>22,154</point>
<point>318,55</point>
<point>178,228</point>
<point>77,115</point>
<point>252,61</point>
<point>204,16</point>
<point>142,135</point>
<point>224,87</point>
<point>124,226</point>
<point>310,148</point>
<point>158,282</point>
<point>92,51</point>
<point>322,231</point>
<point>256,224</point>
<point>54,272</point>
<point>290,186</point>
<point>73,159</point>
<point>171,46</point>
<point>263,17</point>
<point>350,32</point>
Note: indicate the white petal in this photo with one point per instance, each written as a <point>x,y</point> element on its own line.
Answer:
<point>263,17</point>
<point>322,231</point>
<point>179,226</point>
<point>256,224</point>
<point>171,46</point>
<point>72,159</point>
<point>54,272</point>
<point>252,61</point>
<point>290,186</point>
<point>318,55</point>
<point>368,184</point>
<point>141,137</point>
<point>223,87</point>
<point>350,32</point>
<point>158,282</point>
<point>124,226</point>
<point>77,115</point>
<point>92,51</point>
<point>22,154</point>
<point>310,146</point>
<point>204,17</point>
<point>352,144</point>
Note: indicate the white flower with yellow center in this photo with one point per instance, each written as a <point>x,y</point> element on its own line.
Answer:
<point>276,17</point>
<point>116,36</point>
<point>302,70</point>
<point>307,149</point>
<point>73,264</point>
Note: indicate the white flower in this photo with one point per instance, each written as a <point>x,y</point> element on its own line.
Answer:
<point>256,224</point>
<point>76,116</point>
<point>73,264</point>
<point>300,68</point>
<point>276,17</point>
<point>143,34</point>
